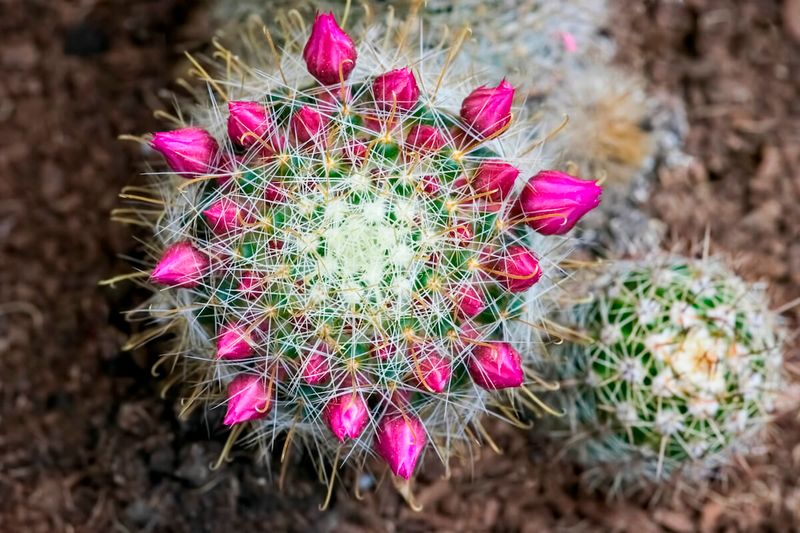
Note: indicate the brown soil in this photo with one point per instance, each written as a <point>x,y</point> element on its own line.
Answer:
<point>87,445</point>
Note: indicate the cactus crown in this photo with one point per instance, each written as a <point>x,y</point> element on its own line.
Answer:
<point>681,370</point>
<point>339,269</point>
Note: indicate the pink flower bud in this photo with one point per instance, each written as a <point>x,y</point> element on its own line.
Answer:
<point>569,41</point>
<point>496,367</point>
<point>399,440</point>
<point>354,152</point>
<point>234,343</point>
<point>346,415</point>
<point>433,371</point>
<point>330,54</point>
<point>247,399</point>
<point>552,202</point>
<point>316,368</point>
<point>487,110</point>
<point>248,121</point>
<point>274,192</point>
<point>494,179</point>
<point>462,234</point>
<point>223,216</point>
<point>424,138</point>
<point>383,349</point>
<point>396,89</point>
<point>518,269</point>
<point>469,300</point>
<point>307,124</point>
<point>431,185</point>
<point>182,265</point>
<point>251,285</point>
<point>188,151</point>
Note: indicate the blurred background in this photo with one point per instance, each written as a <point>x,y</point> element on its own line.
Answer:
<point>87,444</point>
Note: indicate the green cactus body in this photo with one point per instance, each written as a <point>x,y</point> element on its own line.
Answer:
<point>359,259</point>
<point>678,369</point>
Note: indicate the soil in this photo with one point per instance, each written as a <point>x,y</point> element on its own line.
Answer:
<point>88,445</point>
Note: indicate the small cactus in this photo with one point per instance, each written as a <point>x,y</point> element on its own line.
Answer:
<point>673,366</point>
<point>342,251</point>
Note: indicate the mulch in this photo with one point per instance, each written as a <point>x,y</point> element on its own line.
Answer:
<point>87,444</point>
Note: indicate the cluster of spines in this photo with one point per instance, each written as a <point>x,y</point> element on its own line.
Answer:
<point>355,257</point>
<point>675,366</point>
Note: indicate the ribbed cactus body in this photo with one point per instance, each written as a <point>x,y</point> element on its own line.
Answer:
<point>342,263</point>
<point>674,367</point>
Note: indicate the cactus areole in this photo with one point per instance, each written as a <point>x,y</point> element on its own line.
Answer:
<point>352,245</point>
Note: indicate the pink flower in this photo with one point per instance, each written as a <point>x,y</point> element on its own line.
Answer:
<point>494,179</point>
<point>384,349</point>
<point>248,121</point>
<point>223,216</point>
<point>251,285</point>
<point>330,54</point>
<point>569,41</point>
<point>181,265</point>
<point>518,269</point>
<point>396,89</point>
<point>487,110</point>
<point>399,440</point>
<point>553,202</point>
<point>316,368</point>
<point>247,399</point>
<point>307,124</point>
<point>354,152</point>
<point>424,138</point>
<point>234,343</point>
<point>431,184</point>
<point>433,371</point>
<point>346,415</point>
<point>495,367</point>
<point>188,151</point>
<point>462,234</point>
<point>469,300</point>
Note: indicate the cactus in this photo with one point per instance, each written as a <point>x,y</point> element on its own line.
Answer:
<point>340,251</point>
<point>673,367</point>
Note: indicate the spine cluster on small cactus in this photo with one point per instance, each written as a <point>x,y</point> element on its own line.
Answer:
<point>674,366</point>
<point>345,245</point>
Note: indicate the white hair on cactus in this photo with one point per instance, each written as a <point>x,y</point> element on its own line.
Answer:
<point>689,387</point>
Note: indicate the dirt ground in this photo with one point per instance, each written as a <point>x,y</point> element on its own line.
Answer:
<point>86,444</point>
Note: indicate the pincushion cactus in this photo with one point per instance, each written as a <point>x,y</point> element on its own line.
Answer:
<point>345,245</point>
<point>673,367</point>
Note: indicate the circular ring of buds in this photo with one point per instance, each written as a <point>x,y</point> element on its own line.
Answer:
<point>347,261</point>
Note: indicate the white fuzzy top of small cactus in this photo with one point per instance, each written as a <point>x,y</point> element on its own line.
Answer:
<point>682,369</point>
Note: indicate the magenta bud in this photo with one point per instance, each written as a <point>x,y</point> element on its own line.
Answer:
<point>354,152</point>
<point>248,122</point>
<point>487,110</point>
<point>307,124</point>
<point>383,349</point>
<point>396,89</point>
<point>518,269</point>
<point>330,54</point>
<point>251,285</point>
<point>469,300</point>
<point>553,202</point>
<point>316,368</point>
<point>462,234</point>
<point>399,440</point>
<point>346,416</point>
<point>433,371</point>
<point>188,151</point>
<point>494,180</point>
<point>181,265</point>
<point>424,138</point>
<point>431,184</point>
<point>498,366</point>
<point>247,399</point>
<point>223,216</point>
<point>234,343</point>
